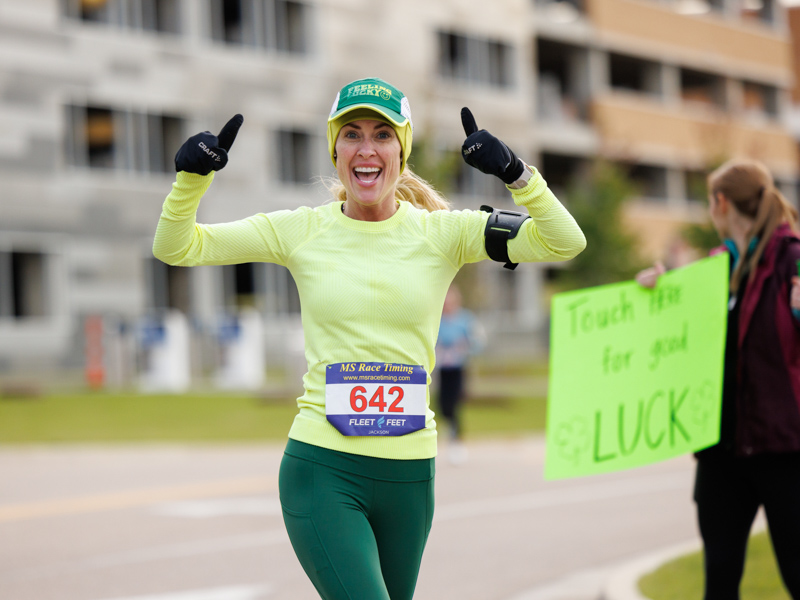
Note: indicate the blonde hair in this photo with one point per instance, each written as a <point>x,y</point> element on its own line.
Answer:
<point>410,187</point>
<point>751,189</point>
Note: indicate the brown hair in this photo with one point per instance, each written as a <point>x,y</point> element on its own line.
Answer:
<point>749,186</point>
<point>410,187</point>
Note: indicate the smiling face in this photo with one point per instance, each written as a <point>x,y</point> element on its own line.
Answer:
<point>368,159</point>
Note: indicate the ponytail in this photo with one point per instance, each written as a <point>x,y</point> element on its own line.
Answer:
<point>750,188</point>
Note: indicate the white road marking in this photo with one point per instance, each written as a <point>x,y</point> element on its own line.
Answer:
<point>199,548</point>
<point>221,593</point>
<point>132,498</point>
<point>222,507</point>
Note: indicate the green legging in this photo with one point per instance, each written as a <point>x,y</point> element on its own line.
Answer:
<point>357,524</point>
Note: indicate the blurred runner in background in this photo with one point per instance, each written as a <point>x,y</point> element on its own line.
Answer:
<point>460,336</point>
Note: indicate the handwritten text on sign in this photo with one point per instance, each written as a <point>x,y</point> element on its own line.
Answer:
<point>636,374</point>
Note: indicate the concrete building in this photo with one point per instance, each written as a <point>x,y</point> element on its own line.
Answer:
<point>97,95</point>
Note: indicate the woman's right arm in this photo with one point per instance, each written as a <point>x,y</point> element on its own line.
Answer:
<point>175,233</point>
<point>179,240</point>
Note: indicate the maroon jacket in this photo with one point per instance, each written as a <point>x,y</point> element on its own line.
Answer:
<point>767,397</point>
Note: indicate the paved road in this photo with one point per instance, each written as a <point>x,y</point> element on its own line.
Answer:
<point>203,523</point>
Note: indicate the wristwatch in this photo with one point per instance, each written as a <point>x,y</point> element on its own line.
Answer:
<point>520,183</point>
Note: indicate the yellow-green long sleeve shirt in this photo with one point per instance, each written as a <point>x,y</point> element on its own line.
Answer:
<point>369,291</point>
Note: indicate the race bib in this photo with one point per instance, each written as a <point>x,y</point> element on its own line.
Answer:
<point>372,398</point>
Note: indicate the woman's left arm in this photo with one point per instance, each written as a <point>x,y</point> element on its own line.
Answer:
<point>551,234</point>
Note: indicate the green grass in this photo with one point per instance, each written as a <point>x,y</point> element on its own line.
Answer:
<point>208,417</point>
<point>131,417</point>
<point>682,578</point>
<point>507,416</point>
<point>506,398</point>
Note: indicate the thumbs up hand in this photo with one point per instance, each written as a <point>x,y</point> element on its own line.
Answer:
<point>206,152</point>
<point>487,153</point>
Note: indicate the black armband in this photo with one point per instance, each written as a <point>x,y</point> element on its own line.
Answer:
<point>502,226</point>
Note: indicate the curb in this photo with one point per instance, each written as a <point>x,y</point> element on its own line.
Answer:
<point>623,583</point>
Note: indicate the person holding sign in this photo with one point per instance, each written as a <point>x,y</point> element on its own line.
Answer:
<point>372,269</point>
<point>757,460</point>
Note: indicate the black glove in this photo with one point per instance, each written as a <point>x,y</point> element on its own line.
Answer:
<point>206,152</point>
<point>488,154</point>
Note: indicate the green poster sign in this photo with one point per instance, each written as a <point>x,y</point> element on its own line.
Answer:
<point>635,373</point>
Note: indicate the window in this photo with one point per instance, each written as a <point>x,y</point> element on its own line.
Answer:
<point>562,171</point>
<point>634,74</point>
<point>290,21</point>
<point>562,11</point>
<point>759,100</point>
<point>154,15</point>
<point>759,10</point>
<point>695,185</point>
<point>280,25</point>
<point>104,138</point>
<point>294,152</point>
<point>264,286</point>
<point>563,82</point>
<point>23,291</point>
<point>650,181</point>
<point>240,285</point>
<point>280,292</point>
<point>170,286</point>
<point>471,182</point>
<point>699,7</point>
<point>702,88</point>
<point>475,59</point>
<point>98,138</point>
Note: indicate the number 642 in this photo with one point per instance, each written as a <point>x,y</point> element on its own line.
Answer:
<point>359,402</point>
